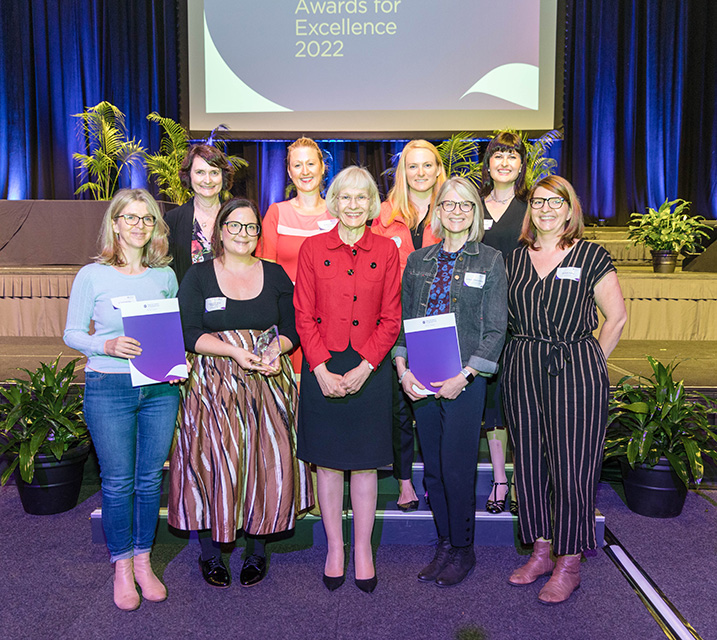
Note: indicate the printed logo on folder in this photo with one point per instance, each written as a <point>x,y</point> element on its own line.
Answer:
<point>157,326</point>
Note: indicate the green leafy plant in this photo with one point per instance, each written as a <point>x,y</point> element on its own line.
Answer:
<point>459,155</point>
<point>109,150</point>
<point>668,229</point>
<point>41,415</point>
<point>164,165</point>
<point>656,417</point>
<point>537,165</point>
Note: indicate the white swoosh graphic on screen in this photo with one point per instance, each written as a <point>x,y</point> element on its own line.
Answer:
<point>516,82</point>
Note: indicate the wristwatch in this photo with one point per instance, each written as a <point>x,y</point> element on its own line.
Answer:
<point>468,375</point>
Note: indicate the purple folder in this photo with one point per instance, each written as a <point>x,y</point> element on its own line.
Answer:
<point>157,326</point>
<point>433,350</point>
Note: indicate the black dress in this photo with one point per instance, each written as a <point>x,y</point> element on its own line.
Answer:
<point>502,235</point>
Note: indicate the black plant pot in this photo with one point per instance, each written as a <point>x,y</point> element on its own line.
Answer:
<point>56,485</point>
<point>655,492</point>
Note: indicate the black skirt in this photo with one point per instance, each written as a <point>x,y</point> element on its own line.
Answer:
<point>353,432</point>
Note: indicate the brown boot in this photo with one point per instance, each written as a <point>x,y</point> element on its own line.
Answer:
<point>125,593</point>
<point>539,564</point>
<point>152,588</point>
<point>565,579</point>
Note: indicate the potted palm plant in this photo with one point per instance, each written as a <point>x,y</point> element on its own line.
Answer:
<point>44,438</point>
<point>660,433</point>
<point>667,231</point>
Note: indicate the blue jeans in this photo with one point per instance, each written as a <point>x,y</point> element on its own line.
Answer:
<point>449,433</point>
<point>132,429</point>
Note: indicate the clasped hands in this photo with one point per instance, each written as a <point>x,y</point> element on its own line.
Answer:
<point>333,385</point>
<point>448,389</point>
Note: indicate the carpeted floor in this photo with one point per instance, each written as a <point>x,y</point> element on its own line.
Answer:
<point>56,584</point>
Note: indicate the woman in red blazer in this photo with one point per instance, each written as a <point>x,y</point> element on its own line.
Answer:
<point>348,315</point>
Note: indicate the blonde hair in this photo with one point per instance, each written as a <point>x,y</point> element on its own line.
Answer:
<point>467,191</point>
<point>154,253</point>
<point>353,178</point>
<point>575,224</point>
<point>398,195</point>
<point>305,142</point>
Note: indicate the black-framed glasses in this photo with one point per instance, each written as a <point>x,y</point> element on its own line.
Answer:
<point>554,203</point>
<point>252,228</point>
<point>132,219</point>
<point>450,205</point>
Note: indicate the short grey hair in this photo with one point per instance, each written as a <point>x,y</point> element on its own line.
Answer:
<point>353,178</point>
<point>468,192</point>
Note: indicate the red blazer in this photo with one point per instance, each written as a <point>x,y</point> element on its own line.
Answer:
<point>347,295</point>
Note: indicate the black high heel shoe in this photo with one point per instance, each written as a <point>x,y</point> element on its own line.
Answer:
<point>367,586</point>
<point>496,506</point>
<point>334,582</point>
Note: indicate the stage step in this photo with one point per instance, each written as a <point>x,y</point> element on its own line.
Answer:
<point>392,525</point>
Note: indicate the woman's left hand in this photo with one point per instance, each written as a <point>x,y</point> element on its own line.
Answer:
<point>354,379</point>
<point>449,389</point>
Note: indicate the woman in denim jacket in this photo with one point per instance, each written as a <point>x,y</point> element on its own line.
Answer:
<point>462,276</point>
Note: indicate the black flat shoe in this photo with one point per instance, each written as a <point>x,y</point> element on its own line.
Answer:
<point>215,572</point>
<point>334,582</point>
<point>407,507</point>
<point>367,586</point>
<point>253,571</point>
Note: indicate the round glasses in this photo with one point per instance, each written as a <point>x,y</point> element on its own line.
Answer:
<point>132,219</point>
<point>252,228</point>
<point>450,205</point>
<point>553,203</point>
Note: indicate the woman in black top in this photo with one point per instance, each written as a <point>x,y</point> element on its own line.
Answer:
<point>234,465</point>
<point>503,191</point>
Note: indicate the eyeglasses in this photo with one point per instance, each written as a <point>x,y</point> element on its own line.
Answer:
<point>450,205</point>
<point>553,203</point>
<point>360,199</point>
<point>132,219</point>
<point>252,228</point>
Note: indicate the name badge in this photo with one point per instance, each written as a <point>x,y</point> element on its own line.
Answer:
<point>397,240</point>
<point>476,280</point>
<point>487,224</point>
<point>327,225</point>
<point>568,273</point>
<point>120,300</point>
<point>215,304</point>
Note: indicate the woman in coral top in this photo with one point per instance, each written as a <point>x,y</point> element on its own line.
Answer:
<point>405,218</point>
<point>287,224</point>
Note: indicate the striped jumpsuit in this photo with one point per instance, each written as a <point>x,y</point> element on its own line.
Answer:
<point>555,387</point>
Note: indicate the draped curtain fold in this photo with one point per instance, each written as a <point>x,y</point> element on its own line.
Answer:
<point>640,100</point>
<point>641,105</point>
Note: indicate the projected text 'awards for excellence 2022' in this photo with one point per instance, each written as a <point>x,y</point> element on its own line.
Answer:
<point>308,28</point>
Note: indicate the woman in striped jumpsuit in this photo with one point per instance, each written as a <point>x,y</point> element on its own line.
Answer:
<point>556,384</point>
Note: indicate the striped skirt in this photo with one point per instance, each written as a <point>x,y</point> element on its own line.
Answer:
<point>234,462</point>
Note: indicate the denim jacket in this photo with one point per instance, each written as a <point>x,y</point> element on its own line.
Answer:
<point>481,309</point>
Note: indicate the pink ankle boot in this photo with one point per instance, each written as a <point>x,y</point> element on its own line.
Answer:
<point>539,564</point>
<point>565,580</point>
<point>125,593</point>
<point>152,588</point>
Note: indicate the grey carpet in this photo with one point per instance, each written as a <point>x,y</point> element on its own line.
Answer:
<point>57,584</point>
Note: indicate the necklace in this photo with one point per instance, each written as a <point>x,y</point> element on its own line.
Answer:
<point>494,199</point>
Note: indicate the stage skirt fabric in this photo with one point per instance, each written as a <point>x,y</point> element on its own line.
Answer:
<point>234,463</point>
<point>353,432</point>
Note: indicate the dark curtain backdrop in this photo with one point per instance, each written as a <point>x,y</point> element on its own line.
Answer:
<point>641,104</point>
<point>640,95</point>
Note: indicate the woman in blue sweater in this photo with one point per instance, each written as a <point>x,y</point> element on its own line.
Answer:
<point>131,427</point>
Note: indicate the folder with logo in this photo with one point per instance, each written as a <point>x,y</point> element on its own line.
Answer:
<point>157,326</point>
<point>433,349</point>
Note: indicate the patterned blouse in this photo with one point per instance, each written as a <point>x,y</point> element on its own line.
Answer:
<point>439,299</point>
<point>201,247</point>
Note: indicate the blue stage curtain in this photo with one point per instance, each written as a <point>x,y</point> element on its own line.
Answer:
<point>58,58</point>
<point>640,105</point>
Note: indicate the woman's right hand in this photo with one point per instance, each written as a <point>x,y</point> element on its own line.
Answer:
<point>246,359</point>
<point>122,347</point>
<point>331,384</point>
<point>409,380</point>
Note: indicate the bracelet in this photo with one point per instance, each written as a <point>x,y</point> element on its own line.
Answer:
<point>402,376</point>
